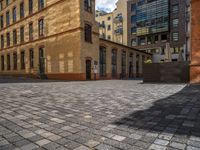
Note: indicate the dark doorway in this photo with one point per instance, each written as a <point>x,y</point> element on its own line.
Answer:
<point>41,61</point>
<point>88,69</point>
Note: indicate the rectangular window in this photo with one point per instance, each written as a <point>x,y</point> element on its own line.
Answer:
<point>109,28</point>
<point>30,7</point>
<point>133,19</point>
<point>31,31</point>
<point>41,27</point>
<point>21,10</point>
<point>88,33</point>
<point>123,64</point>
<point>164,37</point>
<point>156,38</point>
<point>8,62</point>
<point>7,2</point>
<point>175,36</point>
<point>15,61</point>
<point>1,5</point>
<point>2,63</point>
<point>114,63</point>
<point>22,60</point>
<point>133,7</point>
<point>14,37</point>
<point>175,8</point>
<point>40,4</point>
<point>22,34</point>
<point>133,30</point>
<point>7,18</point>
<point>141,41</point>
<point>102,61</point>
<point>8,39</point>
<point>134,42</point>
<point>31,57</point>
<point>14,14</point>
<point>88,5</point>
<point>2,41</point>
<point>1,21</point>
<point>175,22</point>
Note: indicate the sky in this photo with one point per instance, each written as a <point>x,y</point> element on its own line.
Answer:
<point>107,5</point>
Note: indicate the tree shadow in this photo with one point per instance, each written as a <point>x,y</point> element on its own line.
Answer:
<point>177,114</point>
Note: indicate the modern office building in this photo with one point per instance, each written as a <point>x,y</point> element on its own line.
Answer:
<point>149,24</point>
<point>59,39</point>
<point>153,23</point>
<point>195,42</point>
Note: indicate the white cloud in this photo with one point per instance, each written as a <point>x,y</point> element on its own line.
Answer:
<point>107,5</point>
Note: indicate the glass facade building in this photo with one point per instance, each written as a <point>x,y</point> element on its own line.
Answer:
<point>152,17</point>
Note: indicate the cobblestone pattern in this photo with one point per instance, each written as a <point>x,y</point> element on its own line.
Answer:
<point>101,115</point>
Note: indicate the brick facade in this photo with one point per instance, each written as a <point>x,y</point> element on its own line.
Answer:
<point>195,43</point>
<point>65,51</point>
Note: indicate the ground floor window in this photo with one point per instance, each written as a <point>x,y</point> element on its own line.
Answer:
<point>8,62</point>
<point>31,58</point>
<point>131,65</point>
<point>114,63</point>
<point>23,60</point>
<point>123,61</point>
<point>2,63</point>
<point>15,61</point>
<point>102,61</point>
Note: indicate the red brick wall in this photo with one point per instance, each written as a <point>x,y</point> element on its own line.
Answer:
<point>195,43</point>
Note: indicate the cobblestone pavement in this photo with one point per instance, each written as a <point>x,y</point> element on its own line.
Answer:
<point>102,115</point>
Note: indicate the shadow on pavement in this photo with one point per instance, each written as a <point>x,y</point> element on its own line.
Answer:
<point>10,79</point>
<point>177,114</point>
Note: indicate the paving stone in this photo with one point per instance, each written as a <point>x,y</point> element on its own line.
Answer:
<point>194,143</point>
<point>113,115</point>
<point>157,147</point>
<point>57,120</point>
<point>92,143</point>
<point>178,145</point>
<point>43,142</point>
<point>54,137</point>
<point>82,148</point>
<point>192,148</point>
<point>161,142</point>
<point>135,136</point>
<point>118,138</point>
<point>29,147</point>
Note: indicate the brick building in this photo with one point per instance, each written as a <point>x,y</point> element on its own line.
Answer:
<point>195,42</point>
<point>57,39</point>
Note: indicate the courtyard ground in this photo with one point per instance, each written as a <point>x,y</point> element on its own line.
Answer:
<point>102,115</point>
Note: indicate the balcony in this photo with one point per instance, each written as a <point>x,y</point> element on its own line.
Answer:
<point>118,19</point>
<point>119,31</point>
<point>103,36</point>
<point>102,25</point>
